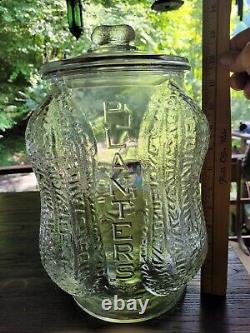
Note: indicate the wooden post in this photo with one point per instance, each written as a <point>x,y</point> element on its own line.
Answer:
<point>216,176</point>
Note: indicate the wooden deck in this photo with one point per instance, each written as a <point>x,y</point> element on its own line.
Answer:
<point>31,303</point>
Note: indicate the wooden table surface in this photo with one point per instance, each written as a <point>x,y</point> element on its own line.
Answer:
<point>30,302</point>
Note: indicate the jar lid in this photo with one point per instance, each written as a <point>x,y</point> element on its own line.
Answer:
<point>111,50</point>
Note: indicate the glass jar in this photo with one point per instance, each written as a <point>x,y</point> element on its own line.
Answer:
<point>117,148</point>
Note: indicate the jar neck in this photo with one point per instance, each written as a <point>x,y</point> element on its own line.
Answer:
<point>119,78</point>
<point>178,78</point>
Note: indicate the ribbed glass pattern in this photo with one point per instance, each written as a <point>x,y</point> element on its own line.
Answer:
<point>118,167</point>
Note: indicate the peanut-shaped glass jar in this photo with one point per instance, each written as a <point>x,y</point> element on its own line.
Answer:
<point>117,148</point>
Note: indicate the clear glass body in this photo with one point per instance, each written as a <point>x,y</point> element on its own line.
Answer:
<point>118,156</point>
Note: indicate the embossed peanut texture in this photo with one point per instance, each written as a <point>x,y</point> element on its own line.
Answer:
<point>118,170</point>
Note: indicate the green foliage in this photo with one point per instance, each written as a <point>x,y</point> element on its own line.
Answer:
<point>177,32</point>
<point>37,29</point>
<point>12,151</point>
<point>27,29</point>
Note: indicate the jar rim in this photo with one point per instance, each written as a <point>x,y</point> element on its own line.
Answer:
<point>115,61</point>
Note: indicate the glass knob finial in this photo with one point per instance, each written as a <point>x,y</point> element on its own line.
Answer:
<point>113,35</point>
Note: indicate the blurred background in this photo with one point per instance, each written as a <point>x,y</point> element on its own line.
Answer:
<point>35,31</point>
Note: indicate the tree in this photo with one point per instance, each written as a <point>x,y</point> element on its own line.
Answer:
<point>36,30</point>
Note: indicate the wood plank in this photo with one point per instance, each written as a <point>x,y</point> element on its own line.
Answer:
<point>14,202</point>
<point>31,303</point>
<point>216,172</point>
<point>7,170</point>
